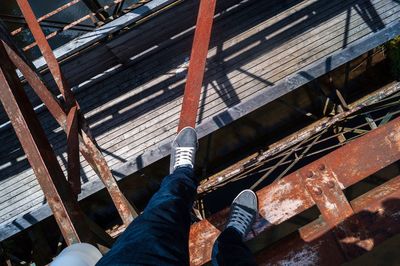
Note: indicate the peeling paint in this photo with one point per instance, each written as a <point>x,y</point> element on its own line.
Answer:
<point>393,138</point>
<point>338,181</point>
<point>281,210</point>
<point>306,256</point>
<point>330,206</point>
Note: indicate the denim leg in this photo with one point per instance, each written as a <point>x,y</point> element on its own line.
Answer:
<point>229,249</point>
<point>160,235</point>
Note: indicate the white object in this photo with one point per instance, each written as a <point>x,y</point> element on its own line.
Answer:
<point>80,254</point>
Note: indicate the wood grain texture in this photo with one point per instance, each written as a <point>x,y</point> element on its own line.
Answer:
<point>133,113</point>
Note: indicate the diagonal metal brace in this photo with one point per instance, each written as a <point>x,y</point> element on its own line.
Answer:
<point>87,147</point>
<point>197,64</point>
<point>40,155</point>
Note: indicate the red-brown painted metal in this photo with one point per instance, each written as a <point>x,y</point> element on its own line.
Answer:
<point>325,190</point>
<point>197,63</point>
<point>89,148</point>
<point>71,24</point>
<point>377,214</point>
<point>292,250</point>
<point>87,145</point>
<point>51,102</point>
<point>52,13</point>
<point>73,150</point>
<point>289,196</point>
<point>40,154</point>
<point>255,160</point>
<point>47,52</point>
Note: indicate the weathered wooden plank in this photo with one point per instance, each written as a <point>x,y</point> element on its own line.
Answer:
<point>90,38</point>
<point>113,143</point>
<point>215,102</point>
<point>185,23</point>
<point>296,6</point>
<point>163,150</point>
<point>315,70</point>
<point>100,57</point>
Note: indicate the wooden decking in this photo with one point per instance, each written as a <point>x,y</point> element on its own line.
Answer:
<point>260,51</point>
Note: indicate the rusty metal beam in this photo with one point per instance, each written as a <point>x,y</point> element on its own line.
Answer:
<point>288,197</point>
<point>325,190</point>
<point>89,148</point>
<point>255,160</point>
<point>197,64</point>
<point>72,24</point>
<point>46,51</point>
<point>73,150</point>
<point>40,154</point>
<point>318,244</point>
<point>52,13</point>
<point>51,102</point>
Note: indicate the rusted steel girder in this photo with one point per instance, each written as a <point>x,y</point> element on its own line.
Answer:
<point>47,52</point>
<point>52,13</point>
<point>71,24</point>
<point>40,154</point>
<point>89,150</point>
<point>377,214</point>
<point>255,160</point>
<point>325,190</point>
<point>197,63</point>
<point>87,145</point>
<point>289,196</point>
<point>73,150</point>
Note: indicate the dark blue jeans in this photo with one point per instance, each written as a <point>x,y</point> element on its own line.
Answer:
<point>160,235</point>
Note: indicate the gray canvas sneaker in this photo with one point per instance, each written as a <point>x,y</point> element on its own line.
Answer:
<point>183,149</point>
<point>243,212</point>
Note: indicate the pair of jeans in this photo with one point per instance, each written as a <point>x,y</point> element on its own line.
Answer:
<point>160,235</point>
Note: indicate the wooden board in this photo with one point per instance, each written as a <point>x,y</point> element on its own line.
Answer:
<point>133,113</point>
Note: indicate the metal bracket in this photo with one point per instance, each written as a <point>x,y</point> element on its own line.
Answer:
<point>325,190</point>
<point>320,181</point>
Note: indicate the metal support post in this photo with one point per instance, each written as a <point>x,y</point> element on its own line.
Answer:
<point>47,52</point>
<point>87,145</point>
<point>73,150</point>
<point>197,64</point>
<point>40,155</point>
<point>89,148</point>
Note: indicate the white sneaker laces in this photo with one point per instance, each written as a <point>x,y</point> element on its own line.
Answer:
<point>183,156</point>
<point>240,219</point>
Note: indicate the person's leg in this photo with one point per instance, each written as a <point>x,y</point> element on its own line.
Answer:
<point>160,235</point>
<point>229,248</point>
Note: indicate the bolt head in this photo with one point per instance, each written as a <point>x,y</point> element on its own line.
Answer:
<point>331,184</point>
<point>321,167</point>
<point>310,174</point>
<point>317,191</point>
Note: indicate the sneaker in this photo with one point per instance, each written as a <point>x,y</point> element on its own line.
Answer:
<point>243,212</point>
<point>183,149</point>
